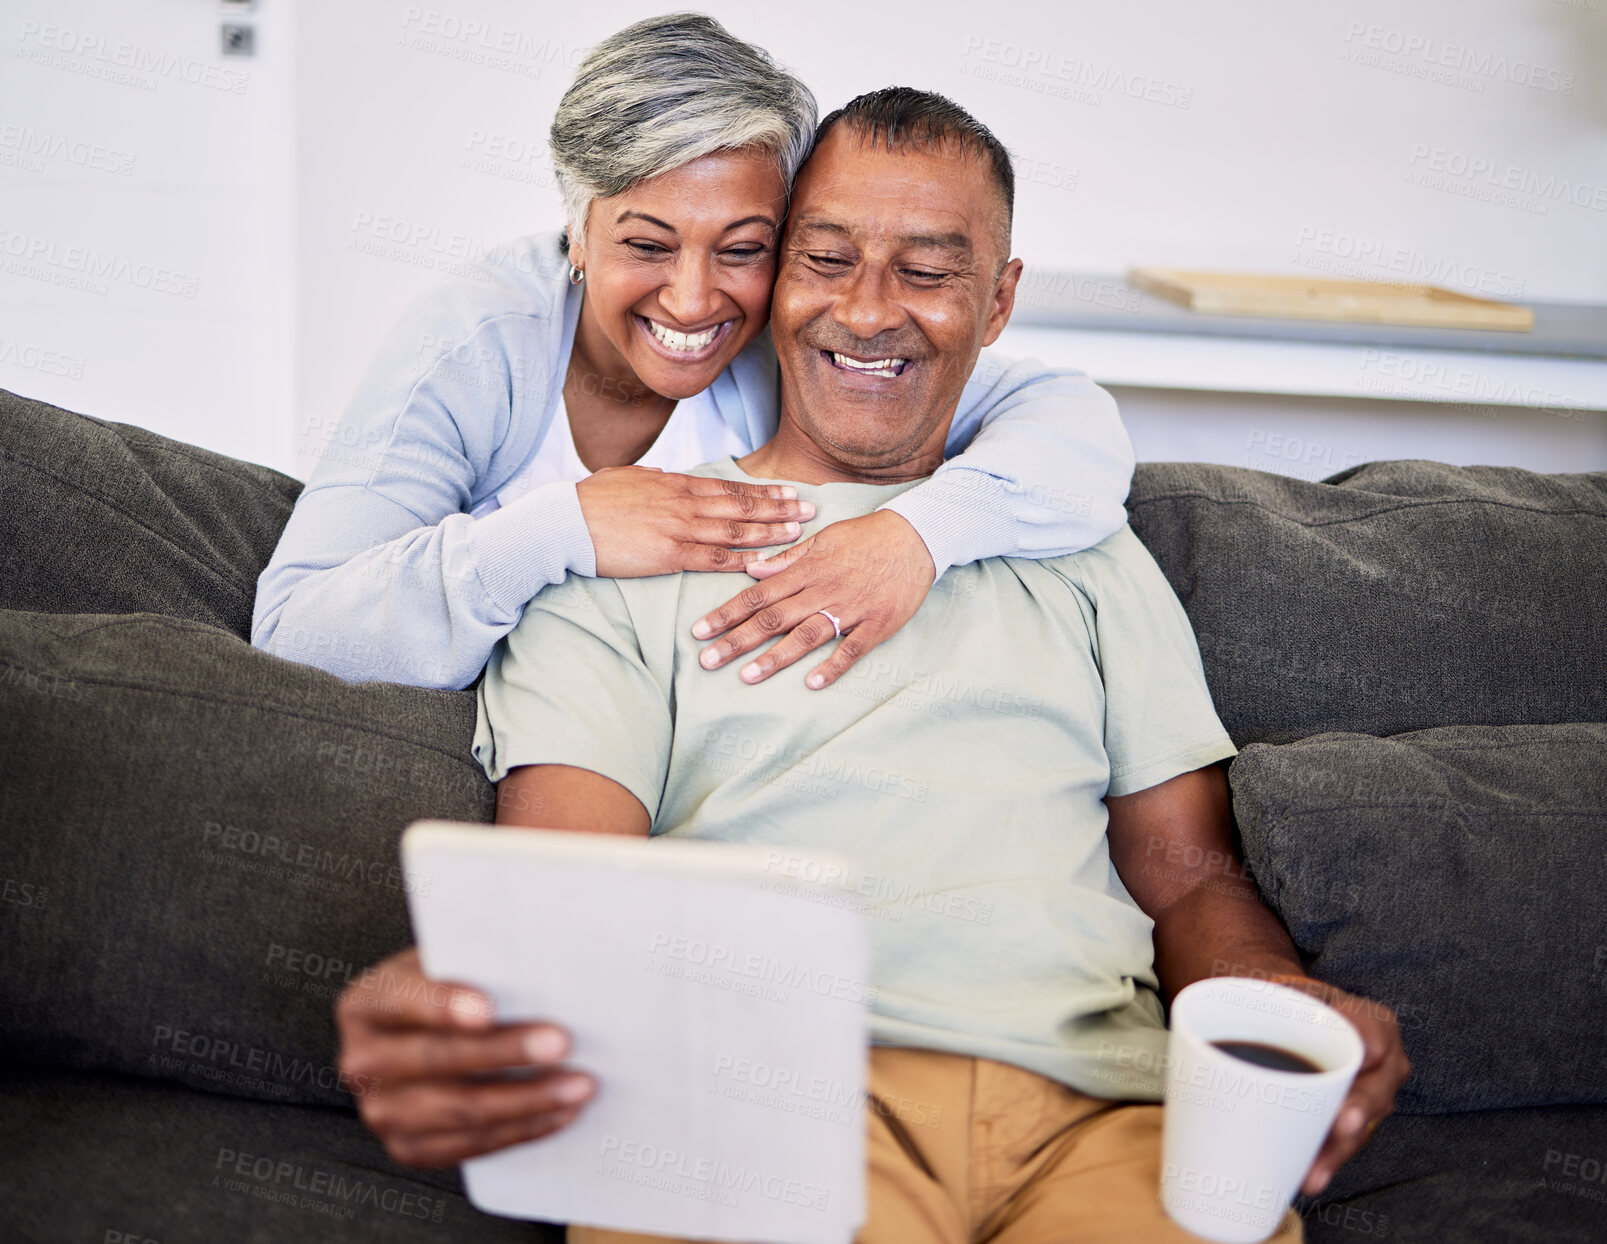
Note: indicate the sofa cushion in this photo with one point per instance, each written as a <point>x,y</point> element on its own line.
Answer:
<point>1457,875</point>
<point>106,518</point>
<point>200,846</point>
<point>78,1162</point>
<point>1531,1176</point>
<point>1394,597</point>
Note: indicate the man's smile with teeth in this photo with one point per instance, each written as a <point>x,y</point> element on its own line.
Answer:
<point>887,368</point>
<point>687,342</point>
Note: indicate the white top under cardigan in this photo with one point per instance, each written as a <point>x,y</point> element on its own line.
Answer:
<point>694,433</point>
<point>383,572</point>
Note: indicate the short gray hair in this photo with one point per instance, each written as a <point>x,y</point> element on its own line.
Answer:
<point>665,92</point>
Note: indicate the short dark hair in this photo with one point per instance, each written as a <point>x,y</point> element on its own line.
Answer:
<point>901,117</point>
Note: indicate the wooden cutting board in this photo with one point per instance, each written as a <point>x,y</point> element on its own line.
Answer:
<point>1317,298</point>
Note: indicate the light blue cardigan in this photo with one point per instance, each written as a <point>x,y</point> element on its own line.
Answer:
<point>381,572</point>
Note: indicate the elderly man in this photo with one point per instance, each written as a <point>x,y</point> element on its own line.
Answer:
<point>1047,723</point>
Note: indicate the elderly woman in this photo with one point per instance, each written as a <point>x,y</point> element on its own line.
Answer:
<point>486,452</point>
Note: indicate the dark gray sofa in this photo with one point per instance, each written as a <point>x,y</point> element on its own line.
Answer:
<point>198,841</point>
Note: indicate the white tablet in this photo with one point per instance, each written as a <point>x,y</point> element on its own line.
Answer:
<point>716,992</point>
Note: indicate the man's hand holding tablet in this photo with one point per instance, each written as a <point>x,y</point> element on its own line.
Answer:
<point>438,1065</point>
<point>686,964</point>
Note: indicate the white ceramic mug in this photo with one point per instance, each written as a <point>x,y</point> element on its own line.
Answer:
<point>1239,1138</point>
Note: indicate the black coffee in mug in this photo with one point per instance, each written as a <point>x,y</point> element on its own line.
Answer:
<point>1271,1057</point>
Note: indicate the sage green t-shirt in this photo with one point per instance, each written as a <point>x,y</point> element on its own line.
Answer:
<point>961,766</point>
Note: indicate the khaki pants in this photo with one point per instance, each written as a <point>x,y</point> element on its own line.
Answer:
<point>965,1149</point>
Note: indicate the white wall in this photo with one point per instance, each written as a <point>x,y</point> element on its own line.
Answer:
<point>1301,145</point>
<point>144,217</point>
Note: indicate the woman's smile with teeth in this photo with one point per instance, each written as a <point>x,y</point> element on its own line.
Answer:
<point>873,367</point>
<point>673,340</point>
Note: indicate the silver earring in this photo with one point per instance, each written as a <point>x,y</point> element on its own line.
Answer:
<point>576,276</point>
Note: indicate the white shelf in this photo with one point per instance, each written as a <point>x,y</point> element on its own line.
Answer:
<point>1256,365</point>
